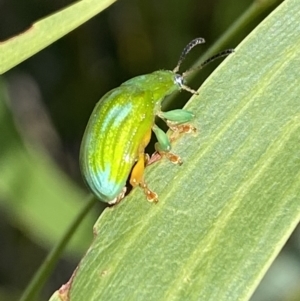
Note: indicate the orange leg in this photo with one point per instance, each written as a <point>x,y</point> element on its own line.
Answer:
<point>173,158</point>
<point>163,146</point>
<point>177,130</point>
<point>137,173</point>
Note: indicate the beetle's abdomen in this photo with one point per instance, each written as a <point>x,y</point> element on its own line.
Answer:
<point>109,149</point>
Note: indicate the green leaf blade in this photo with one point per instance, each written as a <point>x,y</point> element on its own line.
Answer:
<point>46,31</point>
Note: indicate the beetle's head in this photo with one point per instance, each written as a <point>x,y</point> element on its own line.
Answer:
<point>180,78</point>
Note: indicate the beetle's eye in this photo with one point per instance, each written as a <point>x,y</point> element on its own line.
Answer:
<point>179,80</point>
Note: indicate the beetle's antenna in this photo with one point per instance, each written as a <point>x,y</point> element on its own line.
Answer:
<point>209,60</point>
<point>186,50</point>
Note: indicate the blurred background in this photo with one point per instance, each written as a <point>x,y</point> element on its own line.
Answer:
<point>46,101</point>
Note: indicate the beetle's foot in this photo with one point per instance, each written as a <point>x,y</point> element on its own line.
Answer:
<point>156,156</point>
<point>152,196</point>
<point>175,159</point>
<point>180,129</point>
<point>118,199</point>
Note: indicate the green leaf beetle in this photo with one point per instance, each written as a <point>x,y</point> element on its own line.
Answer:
<point>120,128</point>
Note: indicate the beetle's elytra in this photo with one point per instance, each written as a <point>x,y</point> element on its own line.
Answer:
<point>120,128</point>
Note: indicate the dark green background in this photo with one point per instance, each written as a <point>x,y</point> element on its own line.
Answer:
<point>66,80</point>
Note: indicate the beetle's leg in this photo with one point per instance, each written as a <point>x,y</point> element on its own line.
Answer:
<point>177,122</point>
<point>163,146</point>
<point>138,179</point>
<point>178,116</point>
<point>137,173</point>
